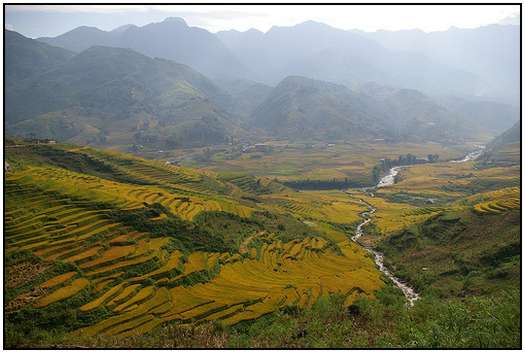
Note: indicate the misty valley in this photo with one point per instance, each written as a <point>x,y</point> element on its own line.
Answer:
<point>303,187</point>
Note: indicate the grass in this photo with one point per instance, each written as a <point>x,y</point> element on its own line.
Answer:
<point>487,322</point>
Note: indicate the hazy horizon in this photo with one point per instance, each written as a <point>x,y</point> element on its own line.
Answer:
<point>51,20</point>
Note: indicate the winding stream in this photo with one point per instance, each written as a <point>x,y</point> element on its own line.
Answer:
<point>410,294</point>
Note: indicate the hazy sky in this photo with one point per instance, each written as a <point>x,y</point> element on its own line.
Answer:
<point>45,20</point>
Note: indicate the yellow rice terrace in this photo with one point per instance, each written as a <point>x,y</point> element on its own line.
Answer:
<point>125,245</point>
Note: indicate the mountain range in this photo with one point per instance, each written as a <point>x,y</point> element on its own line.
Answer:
<point>168,84</point>
<point>322,52</point>
<point>480,62</point>
<point>170,39</point>
<point>491,52</point>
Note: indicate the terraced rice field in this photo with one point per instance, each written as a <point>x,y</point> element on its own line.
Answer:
<point>392,217</point>
<point>141,280</point>
<point>331,206</point>
<point>128,196</point>
<point>297,272</point>
<point>458,184</point>
<point>452,180</point>
<point>498,202</point>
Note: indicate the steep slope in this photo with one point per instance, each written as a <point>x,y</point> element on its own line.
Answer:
<point>511,135</point>
<point>25,57</point>
<point>504,150</point>
<point>170,39</point>
<point>301,107</point>
<point>118,96</point>
<point>460,253</point>
<point>412,114</point>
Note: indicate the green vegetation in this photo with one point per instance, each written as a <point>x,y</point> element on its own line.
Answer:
<point>458,254</point>
<point>384,322</point>
<point>188,236</point>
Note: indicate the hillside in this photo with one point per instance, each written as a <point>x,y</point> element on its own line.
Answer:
<point>300,107</point>
<point>193,46</point>
<point>414,116</point>
<point>116,96</point>
<point>474,252</point>
<point>26,58</point>
<point>505,149</point>
<point>510,136</point>
<point>102,243</point>
<point>107,249</point>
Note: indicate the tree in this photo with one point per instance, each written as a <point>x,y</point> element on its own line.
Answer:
<point>432,158</point>
<point>376,173</point>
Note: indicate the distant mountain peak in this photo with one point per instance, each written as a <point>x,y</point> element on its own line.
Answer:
<point>313,23</point>
<point>85,29</point>
<point>254,30</point>
<point>175,20</point>
<point>123,28</point>
<point>310,24</point>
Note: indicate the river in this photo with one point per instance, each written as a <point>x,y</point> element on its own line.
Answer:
<point>410,294</point>
<point>390,178</point>
<point>472,156</point>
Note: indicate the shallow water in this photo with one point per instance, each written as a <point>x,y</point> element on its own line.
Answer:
<point>410,294</point>
<point>390,178</point>
<point>472,156</point>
